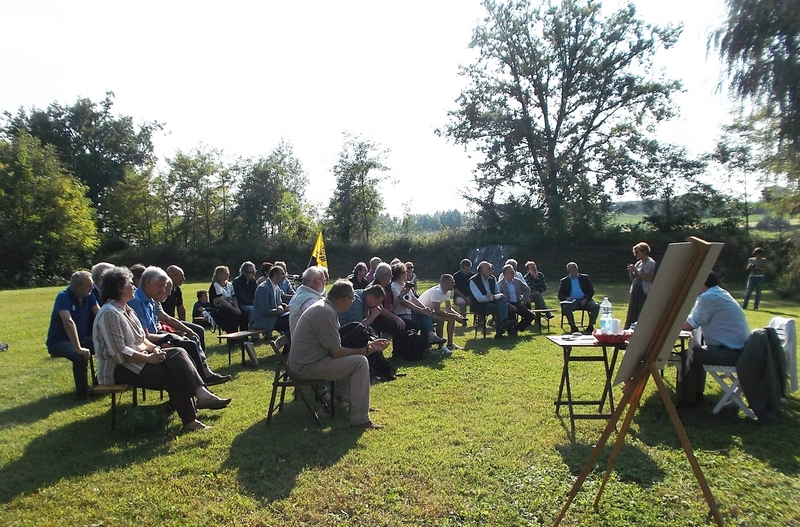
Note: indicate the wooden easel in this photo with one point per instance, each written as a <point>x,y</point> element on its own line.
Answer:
<point>632,393</point>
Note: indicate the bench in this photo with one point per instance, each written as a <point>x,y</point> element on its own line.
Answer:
<point>240,338</point>
<point>113,390</point>
<point>542,314</point>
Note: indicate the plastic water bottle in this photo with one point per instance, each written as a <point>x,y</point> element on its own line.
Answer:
<point>605,315</point>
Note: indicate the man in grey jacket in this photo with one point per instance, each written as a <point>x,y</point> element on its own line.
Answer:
<point>516,292</point>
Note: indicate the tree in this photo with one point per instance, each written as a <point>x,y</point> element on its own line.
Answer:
<point>760,44</point>
<point>134,216</point>
<point>660,175</point>
<point>46,223</point>
<point>738,152</point>
<point>197,181</point>
<point>96,146</point>
<point>270,200</point>
<point>356,201</point>
<point>556,92</point>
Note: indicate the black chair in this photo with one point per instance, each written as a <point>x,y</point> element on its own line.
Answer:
<point>284,378</point>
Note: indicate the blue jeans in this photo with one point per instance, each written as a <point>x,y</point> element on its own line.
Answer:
<point>754,282</point>
<point>247,317</point>
<point>425,322</point>
<point>66,350</point>
<point>498,308</point>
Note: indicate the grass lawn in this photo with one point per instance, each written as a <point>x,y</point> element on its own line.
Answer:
<point>470,440</point>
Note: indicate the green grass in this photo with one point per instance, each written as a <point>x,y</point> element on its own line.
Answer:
<point>471,440</point>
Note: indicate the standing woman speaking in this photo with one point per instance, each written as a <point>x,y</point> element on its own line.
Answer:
<point>641,274</point>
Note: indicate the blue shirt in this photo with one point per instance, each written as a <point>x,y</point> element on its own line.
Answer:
<point>145,309</point>
<point>80,313</point>
<point>577,293</point>
<point>721,319</point>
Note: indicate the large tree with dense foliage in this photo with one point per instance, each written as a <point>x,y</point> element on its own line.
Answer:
<point>760,44</point>
<point>559,94</point>
<point>356,201</point>
<point>47,225</point>
<point>135,214</point>
<point>270,200</point>
<point>93,143</point>
<point>197,185</point>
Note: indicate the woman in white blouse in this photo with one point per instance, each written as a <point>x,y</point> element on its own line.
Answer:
<point>221,293</point>
<point>125,356</point>
<point>641,274</point>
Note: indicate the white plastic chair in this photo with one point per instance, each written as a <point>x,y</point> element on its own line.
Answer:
<point>728,380</point>
<point>787,331</point>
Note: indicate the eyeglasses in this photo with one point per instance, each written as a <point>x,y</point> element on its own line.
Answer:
<point>409,267</point>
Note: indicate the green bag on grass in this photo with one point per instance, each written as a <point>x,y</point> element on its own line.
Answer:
<point>150,418</point>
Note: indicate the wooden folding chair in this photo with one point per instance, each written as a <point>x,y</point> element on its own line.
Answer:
<point>284,378</point>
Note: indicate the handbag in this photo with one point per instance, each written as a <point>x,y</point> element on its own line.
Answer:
<point>151,417</point>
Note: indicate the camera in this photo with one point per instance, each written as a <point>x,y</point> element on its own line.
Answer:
<point>410,284</point>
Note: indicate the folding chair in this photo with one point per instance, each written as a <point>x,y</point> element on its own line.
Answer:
<point>564,318</point>
<point>728,380</point>
<point>284,378</point>
<point>787,332</point>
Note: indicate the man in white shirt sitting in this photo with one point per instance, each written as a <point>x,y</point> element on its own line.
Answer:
<point>725,332</point>
<point>434,298</point>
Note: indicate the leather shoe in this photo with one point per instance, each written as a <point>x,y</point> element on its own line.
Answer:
<point>215,378</point>
<point>437,340</point>
<point>194,426</point>
<point>212,404</point>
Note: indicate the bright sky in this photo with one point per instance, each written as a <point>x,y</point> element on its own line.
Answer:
<point>241,75</point>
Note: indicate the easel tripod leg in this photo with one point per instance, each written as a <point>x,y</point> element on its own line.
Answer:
<point>601,443</point>
<point>687,447</point>
<point>638,390</point>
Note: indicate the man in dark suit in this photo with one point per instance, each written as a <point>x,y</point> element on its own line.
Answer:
<point>575,293</point>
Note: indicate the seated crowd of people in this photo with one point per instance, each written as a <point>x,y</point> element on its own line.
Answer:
<point>135,322</point>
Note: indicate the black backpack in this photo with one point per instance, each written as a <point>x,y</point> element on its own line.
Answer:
<point>357,335</point>
<point>408,346</point>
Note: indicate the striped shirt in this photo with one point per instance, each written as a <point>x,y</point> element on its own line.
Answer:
<point>117,334</point>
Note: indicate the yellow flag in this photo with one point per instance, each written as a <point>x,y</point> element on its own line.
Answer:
<point>319,251</point>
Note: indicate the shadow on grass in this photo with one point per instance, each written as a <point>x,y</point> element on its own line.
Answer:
<point>725,431</point>
<point>775,313</point>
<point>77,449</point>
<point>632,465</point>
<point>37,410</point>
<point>290,445</point>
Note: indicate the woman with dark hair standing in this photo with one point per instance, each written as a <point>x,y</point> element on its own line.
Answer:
<point>641,274</point>
<point>125,356</point>
<point>755,282</point>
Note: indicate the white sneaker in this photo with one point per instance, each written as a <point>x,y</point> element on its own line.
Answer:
<point>455,346</point>
<point>445,350</point>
